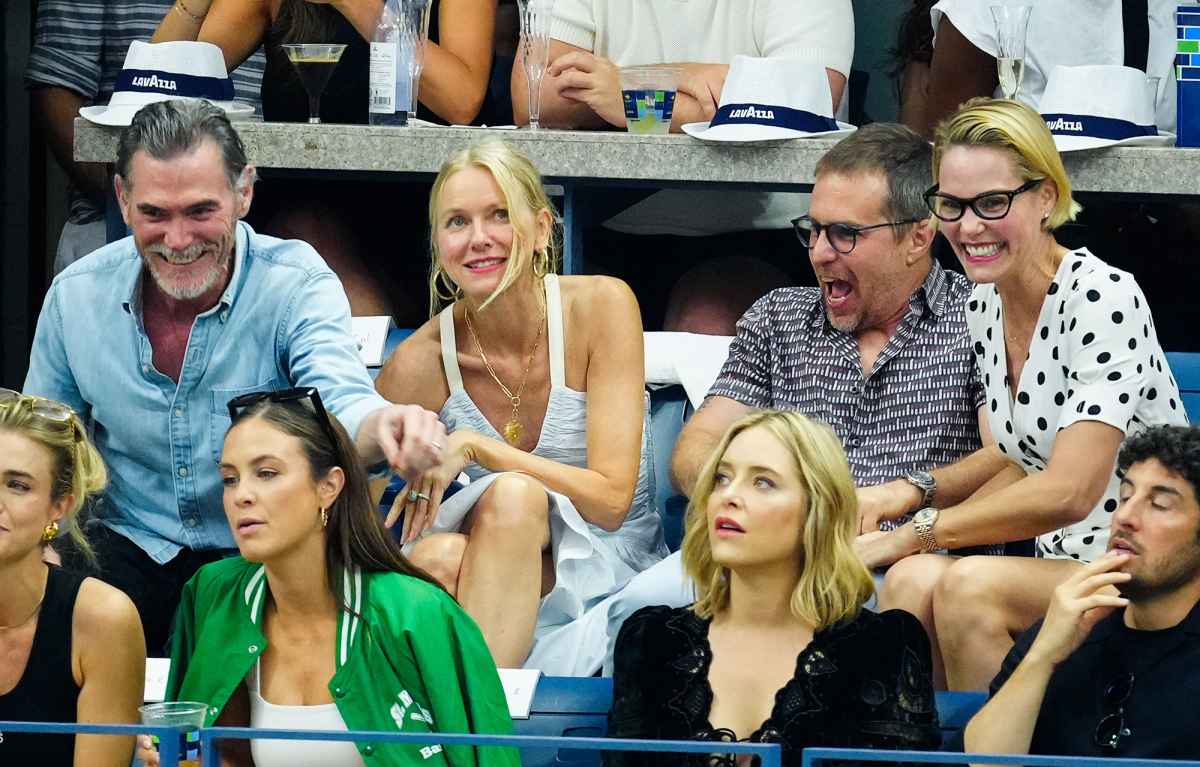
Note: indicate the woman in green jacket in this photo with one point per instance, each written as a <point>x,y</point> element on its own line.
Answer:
<point>321,623</point>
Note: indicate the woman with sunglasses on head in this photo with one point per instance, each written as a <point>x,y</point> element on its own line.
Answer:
<point>321,623</point>
<point>542,389</point>
<point>71,647</point>
<point>777,647</point>
<point>1071,365</point>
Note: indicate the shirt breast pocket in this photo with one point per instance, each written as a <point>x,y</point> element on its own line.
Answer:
<point>219,411</point>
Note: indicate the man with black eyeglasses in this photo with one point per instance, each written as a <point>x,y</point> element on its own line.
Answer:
<point>880,350</point>
<point>1114,667</point>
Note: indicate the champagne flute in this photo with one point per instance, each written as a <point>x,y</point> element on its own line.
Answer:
<point>414,33</point>
<point>314,63</point>
<point>536,16</point>
<point>1012,21</point>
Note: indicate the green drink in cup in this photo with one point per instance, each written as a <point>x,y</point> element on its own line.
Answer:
<point>186,715</point>
<point>648,93</point>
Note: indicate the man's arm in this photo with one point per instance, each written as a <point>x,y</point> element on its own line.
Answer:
<point>958,71</point>
<point>557,110</point>
<point>700,435</point>
<point>55,109</point>
<point>1005,725</point>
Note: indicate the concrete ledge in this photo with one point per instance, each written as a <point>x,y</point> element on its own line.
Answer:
<point>616,157</point>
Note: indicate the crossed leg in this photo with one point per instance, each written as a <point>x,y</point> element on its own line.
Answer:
<point>981,604</point>
<point>500,566</point>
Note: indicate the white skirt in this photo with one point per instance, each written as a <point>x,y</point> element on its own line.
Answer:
<point>589,565</point>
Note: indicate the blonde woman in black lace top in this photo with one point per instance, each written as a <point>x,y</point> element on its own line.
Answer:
<point>776,648</point>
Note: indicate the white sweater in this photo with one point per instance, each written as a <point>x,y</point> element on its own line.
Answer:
<point>630,32</point>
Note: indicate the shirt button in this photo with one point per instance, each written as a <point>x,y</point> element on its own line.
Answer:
<point>179,412</point>
<point>183,472</point>
<point>368,749</point>
<point>146,369</point>
<point>252,649</point>
<point>213,710</point>
<point>191,522</point>
<point>339,692</point>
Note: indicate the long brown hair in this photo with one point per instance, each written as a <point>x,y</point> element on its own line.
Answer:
<point>354,536</point>
<point>304,22</point>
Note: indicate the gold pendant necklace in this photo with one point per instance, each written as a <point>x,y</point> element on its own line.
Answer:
<point>512,430</point>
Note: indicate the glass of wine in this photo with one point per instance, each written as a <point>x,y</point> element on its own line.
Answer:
<point>1011,23</point>
<point>314,63</point>
<point>536,16</point>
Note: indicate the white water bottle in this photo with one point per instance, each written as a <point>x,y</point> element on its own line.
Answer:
<point>390,88</point>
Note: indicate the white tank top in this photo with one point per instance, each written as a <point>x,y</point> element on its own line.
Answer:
<point>297,753</point>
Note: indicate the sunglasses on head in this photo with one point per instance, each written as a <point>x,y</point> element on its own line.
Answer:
<point>48,410</point>
<point>286,396</point>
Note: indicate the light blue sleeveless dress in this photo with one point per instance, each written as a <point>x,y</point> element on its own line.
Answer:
<point>590,563</point>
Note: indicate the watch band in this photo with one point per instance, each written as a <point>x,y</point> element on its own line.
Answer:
<point>923,481</point>
<point>923,522</point>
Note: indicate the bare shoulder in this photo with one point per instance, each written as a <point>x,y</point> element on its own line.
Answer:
<point>412,374</point>
<point>104,614</point>
<point>584,295</point>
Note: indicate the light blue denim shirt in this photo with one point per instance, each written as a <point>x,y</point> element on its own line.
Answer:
<point>283,321</point>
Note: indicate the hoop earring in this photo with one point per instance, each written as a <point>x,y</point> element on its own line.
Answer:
<point>450,292</point>
<point>324,517</point>
<point>50,532</point>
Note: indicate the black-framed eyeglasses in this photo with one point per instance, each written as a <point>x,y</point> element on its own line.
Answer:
<point>48,410</point>
<point>1112,727</point>
<point>841,237</point>
<point>284,396</point>
<point>989,205</point>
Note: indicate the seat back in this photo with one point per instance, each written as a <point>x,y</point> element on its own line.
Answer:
<point>955,709</point>
<point>669,408</point>
<point>567,707</point>
<point>1185,366</point>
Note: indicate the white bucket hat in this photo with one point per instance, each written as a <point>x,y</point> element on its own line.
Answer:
<point>162,71</point>
<point>1099,106</point>
<point>768,99</point>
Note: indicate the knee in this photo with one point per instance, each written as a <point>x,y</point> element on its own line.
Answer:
<point>966,591</point>
<point>515,504</point>
<point>441,556</point>
<point>909,584</point>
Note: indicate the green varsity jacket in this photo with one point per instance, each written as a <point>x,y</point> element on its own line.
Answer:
<point>408,659</point>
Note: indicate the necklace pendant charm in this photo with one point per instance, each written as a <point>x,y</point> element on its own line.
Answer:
<point>512,431</point>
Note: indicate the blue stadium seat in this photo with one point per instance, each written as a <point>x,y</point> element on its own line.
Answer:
<point>955,709</point>
<point>568,707</point>
<point>1185,366</point>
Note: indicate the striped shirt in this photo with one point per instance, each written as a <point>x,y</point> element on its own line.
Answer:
<point>918,409</point>
<point>80,45</point>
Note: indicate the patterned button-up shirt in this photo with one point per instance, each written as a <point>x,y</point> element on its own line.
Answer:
<point>918,407</point>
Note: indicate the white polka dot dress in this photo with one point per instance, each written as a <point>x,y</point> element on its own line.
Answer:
<point>1094,356</point>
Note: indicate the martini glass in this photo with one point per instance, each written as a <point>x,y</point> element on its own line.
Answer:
<point>536,16</point>
<point>314,63</point>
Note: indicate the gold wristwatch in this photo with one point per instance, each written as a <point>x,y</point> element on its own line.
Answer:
<point>923,522</point>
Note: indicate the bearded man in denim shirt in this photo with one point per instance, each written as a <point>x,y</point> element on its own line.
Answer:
<point>149,337</point>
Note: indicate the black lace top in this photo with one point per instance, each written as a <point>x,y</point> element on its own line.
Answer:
<point>864,683</point>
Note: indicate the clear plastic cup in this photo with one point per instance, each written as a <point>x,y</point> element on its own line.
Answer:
<point>649,96</point>
<point>182,714</point>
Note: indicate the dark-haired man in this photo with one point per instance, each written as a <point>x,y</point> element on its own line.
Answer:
<point>1113,668</point>
<point>149,337</point>
<point>880,351</point>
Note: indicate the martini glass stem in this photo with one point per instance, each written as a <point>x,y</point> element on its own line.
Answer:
<point>314,108</point>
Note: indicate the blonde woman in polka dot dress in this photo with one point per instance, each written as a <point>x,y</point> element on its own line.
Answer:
<point>1071,365</point>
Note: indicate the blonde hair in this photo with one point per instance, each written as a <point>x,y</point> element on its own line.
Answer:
<point>78,470</point>
<point>1015,127</point>
<point>525,198</point>
<point>833,582</point>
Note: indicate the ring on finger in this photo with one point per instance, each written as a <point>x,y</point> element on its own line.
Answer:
<point>422,496</point>
<point>436,445</point>
<point>413,495</point>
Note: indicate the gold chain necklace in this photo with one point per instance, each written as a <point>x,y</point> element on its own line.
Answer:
<point>512,429</point>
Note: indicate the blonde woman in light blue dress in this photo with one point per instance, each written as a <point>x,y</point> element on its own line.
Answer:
<point>540,380</point>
